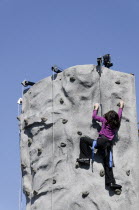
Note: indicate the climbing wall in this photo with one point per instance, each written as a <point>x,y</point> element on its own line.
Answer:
<point>56,112</point>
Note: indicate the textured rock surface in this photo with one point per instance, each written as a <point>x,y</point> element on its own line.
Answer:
<point>55,114</point>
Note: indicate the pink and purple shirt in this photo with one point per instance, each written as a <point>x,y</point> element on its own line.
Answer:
<point>106,130</point>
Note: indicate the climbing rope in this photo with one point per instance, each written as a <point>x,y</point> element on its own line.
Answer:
<point>99,70</point>
<point>111,152</point>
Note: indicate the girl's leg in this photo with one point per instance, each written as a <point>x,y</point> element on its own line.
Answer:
<point>85,144</point>
<point>109,177</point>
<point>104,146</point>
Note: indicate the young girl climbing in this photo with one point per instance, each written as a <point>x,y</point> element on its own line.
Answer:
<point>110,125</point>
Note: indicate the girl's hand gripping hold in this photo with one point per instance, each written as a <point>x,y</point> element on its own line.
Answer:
<point>121,104</point>
<point>96,106</point>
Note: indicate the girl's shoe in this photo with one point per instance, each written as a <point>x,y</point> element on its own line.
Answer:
<point>85,161</point>
<point>115,186</point>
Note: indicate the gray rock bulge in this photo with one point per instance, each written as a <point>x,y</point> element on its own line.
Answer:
<point>56,112</point>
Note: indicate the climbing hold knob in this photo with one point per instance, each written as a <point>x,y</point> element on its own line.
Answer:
<point>39,152</point>
<point>35,193</point>
<point>76,165</point>
<point>23,166</point>
<point>85,194</point>
<point>118,192</point>
<point>118,104</point>
<point>102,172</point>
<point>61,101</point>
<point>29,142</point>
<point>72,79</point>
<point>54,181</point>
<point>33,170</point>
<point>128,172</point>
<point>43,119</point>
<point>117,82</point>
<point>79,133</point>
<point>63,144</point>
<point>18,118</point>
<point>27,193</point>
<point>26,122</point>
<point>64,121</point>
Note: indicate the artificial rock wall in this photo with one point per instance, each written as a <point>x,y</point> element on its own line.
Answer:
<point>56,112</point>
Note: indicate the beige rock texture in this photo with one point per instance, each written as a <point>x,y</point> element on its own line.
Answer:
<point>56,112</point>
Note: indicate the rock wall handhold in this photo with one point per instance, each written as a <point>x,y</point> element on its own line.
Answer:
<point>77,164</point>
<point>43,119</point>
<point>85,194</point>
<point>54,181</point>
<point>39,152</point>
<point>63,144</point>
<point>26,122</point>
<point>23,166</point>
<point>29,142</point>
<point>64,121</point>
<point>72,79</point>
<point>27,193</point>
<point>118,192</point>
<point>102,172</point>
<point>128,173</point>
<point>35,193</point>
<point>33,172</point>
<point>61,101</point>
<point>118,82</point>
<point>79,133</point>
<point>18,118</point>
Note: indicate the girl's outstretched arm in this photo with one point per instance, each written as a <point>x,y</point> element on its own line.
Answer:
<point>95,116</point>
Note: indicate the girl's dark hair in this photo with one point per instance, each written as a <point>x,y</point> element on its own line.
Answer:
<point>112,119</point>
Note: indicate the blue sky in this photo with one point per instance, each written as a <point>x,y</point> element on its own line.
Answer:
<point>34,35</point>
